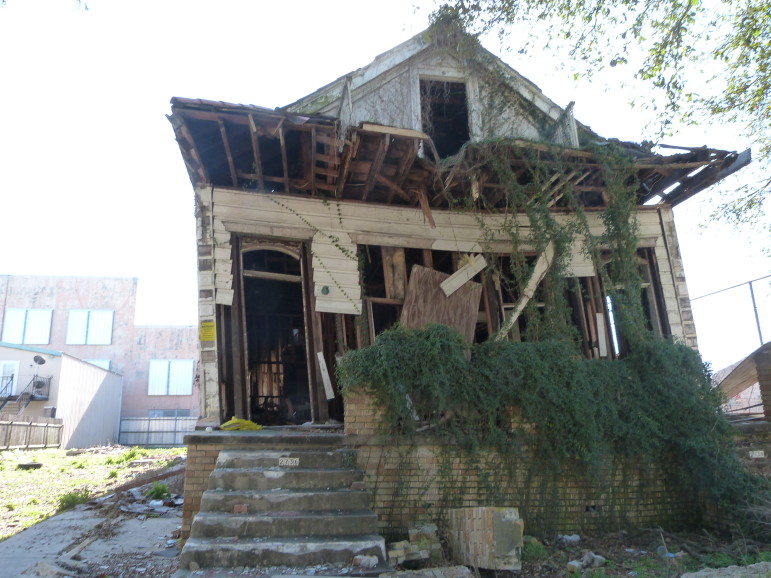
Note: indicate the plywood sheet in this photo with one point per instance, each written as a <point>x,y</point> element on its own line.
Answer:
<point>426,303</point>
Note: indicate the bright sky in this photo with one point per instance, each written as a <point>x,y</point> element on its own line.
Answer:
<point>93,182</point>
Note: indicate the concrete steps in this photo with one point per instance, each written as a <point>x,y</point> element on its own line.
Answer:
<point>284,500</point>
<point>287,523</point>
<point>280,551</point>
<point>282,506</point>
<point>282,478</point>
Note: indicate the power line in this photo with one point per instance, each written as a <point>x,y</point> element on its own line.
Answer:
<point>732,287</point>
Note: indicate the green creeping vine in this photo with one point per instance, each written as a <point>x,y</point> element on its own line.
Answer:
<point>656,406</point>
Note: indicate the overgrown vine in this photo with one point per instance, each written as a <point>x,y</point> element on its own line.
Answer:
<point>492,401</point>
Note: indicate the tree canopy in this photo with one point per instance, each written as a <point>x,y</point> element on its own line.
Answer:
<point>705,58</point>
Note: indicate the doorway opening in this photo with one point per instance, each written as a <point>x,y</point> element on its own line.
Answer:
<point>277,361</point>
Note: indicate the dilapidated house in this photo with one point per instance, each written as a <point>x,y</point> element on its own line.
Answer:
<point>380,198</point>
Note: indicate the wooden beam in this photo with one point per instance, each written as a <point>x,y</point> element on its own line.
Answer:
<point>395,189</point>
<point>474,265</point>
<point>387,263</point>
<point>313,162</point>
<point>284,162</point>
<point>228,153</point>
<point>330,393</point>
<point>256,152</point>
<point>542,265</point>
<point>393,131</point>
<point>272,276</point>
<point>425,207</point>
<point>406,163</point>
<point>377,162</point>
<point>348,155</point>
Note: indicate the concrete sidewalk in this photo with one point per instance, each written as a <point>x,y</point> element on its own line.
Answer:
<point>46,540</point>
<point>95,541</point>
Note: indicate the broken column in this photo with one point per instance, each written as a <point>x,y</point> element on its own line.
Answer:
<point>486,537</point>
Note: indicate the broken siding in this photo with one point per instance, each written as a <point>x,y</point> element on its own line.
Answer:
<point>355,98</point>
<point>496,110</point>
<point>335,273</point>
<point>304,218</point>
<point>208,243</point>
<point>673,283</point>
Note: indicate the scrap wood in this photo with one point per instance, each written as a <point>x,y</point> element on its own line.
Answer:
<point>473,265</point>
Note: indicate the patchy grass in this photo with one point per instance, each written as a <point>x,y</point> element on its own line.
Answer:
<point>642,554</point>
<point>29,496</point>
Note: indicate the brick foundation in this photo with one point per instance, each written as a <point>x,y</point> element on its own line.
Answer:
<point>419,481</point>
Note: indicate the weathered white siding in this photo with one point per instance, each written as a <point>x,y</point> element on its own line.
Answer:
<point>501,104</point>
<point>262,214</point>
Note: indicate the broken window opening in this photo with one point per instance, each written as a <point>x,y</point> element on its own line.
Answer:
<point>278,385</point>
<point>445,115</point>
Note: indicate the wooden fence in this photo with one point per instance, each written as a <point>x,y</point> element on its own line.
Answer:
<point>29,432</point>
<point>155,431</point>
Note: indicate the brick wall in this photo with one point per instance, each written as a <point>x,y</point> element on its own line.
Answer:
<point>753,443</point>
<point>201,459</point>
<point>419,481</point>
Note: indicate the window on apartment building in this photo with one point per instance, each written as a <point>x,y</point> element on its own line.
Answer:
<point>89,327</point>
<point>9,377</point>
<point>103,363</point>
<point>444,114</point>
<point>28,326</point>
<point>170,377</point>
<point>168,413</point>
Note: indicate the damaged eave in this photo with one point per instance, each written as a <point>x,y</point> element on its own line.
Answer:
<point>746,373</point>
<point>253,148</point>
<point>676,178</point>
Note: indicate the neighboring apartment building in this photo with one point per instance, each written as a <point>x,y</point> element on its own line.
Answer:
<point>92,318</point>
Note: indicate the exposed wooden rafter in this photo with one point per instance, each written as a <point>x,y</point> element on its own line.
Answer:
<point>384,164</point>
<point>256,151</point>
<point>228,153</point>
<point>377,162</point>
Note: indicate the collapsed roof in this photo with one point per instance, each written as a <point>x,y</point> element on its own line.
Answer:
<point>253,148</point>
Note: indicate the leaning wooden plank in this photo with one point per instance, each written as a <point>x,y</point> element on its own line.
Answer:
<point>539,272</point>
<point>325,376</point>
<point>473,266</point>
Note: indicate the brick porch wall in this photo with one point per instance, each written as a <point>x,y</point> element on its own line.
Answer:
<point>201,459</point>
<point>419,481</point>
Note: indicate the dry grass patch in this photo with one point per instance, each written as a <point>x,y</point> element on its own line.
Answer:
<point>30,494</point>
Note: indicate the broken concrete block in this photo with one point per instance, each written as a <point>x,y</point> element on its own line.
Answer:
<point>592,560</point>
<point>362,561</point>
<point>423,533</point>
<point>46,570</point>
<point>570,538</point>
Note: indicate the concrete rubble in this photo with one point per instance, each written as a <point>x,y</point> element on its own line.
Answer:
<point>422,547</point>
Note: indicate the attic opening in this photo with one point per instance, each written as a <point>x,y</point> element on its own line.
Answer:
<point>277,378</point>
<point>444,114</point>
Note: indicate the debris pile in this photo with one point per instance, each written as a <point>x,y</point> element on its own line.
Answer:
<point>422,547</point>
<point>119,508</point>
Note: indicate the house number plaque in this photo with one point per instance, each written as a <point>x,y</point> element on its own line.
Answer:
<point>289,462</point>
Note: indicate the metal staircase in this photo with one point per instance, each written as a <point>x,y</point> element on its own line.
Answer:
<point>37,389</point>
